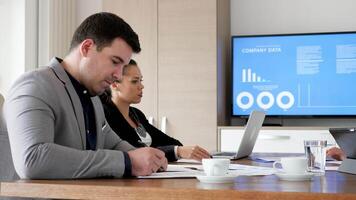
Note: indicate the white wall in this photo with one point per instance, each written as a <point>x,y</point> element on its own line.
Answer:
<point>18,22</point>
<point>56,24</point>
<point>12,40</point>
<point>84,9</point>
<point>292,16</point>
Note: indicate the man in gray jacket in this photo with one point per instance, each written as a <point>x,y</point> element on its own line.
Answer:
<point>56,124</point>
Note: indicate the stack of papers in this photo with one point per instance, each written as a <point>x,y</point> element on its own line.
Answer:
<point>191,171</point>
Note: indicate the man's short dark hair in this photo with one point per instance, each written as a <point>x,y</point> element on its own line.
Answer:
<point>103,28</point>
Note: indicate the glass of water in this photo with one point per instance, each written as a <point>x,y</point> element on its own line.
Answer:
<point>315,151</point>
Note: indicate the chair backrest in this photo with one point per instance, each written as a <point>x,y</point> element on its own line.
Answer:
<point>1,104</point>
<point>7,170</point>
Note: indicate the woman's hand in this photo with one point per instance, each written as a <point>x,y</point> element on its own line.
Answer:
<point>336,153</point>
<point>192,152</point>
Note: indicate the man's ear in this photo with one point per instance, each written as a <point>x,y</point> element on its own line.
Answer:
<point>85,47</point>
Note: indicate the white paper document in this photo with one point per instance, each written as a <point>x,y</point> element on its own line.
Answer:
<point>178,171</point>
<point>191,171</point>
<point>332,165</point>
<point>188,161</point>
<point>248,170</point>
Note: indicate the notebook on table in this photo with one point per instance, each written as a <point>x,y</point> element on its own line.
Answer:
<point>249,137</point>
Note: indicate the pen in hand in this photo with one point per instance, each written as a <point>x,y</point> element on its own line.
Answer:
<point>142,144</point>
<point>161,169</point>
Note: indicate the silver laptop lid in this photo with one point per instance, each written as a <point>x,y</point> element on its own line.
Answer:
<point>249,138</point>
<point>345,138</point>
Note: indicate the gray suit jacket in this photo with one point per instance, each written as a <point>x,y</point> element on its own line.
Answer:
<point>47,130</point>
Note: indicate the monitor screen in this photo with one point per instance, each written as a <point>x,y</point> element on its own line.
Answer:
<point>294,75</point>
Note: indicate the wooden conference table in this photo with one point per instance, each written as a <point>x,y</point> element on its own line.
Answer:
<point>334,185</point>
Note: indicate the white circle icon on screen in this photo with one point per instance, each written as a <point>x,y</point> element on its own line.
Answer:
<point>269,103</point>
<point>288,95</point>
<point>249,102</point>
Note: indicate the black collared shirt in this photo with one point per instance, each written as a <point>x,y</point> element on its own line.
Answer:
<point>90,122</point>
<point>88,111</point>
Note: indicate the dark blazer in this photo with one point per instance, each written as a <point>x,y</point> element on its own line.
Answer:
<point>124,130</point>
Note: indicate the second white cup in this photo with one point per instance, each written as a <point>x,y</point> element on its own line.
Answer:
<point>293,165</point>
<point>216,166</point>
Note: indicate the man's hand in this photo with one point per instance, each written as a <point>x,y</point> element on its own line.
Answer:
<point>192,152</point>
<point>146,161</point>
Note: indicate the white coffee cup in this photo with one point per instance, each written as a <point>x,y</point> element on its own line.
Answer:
<point>216,166</point>
<point>293,165</point>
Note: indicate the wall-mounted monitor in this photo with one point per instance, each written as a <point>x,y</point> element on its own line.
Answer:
<point>294,74</point>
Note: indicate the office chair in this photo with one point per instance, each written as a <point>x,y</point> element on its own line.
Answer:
<point>7,170</point>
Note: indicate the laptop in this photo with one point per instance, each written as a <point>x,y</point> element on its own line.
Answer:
<point>249,138</point>
<point>345,138</point>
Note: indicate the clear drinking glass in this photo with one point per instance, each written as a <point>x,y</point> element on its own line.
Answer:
<point>315,151</point>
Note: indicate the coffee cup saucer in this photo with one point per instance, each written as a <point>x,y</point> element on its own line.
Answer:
<point>228,178</point>
<point>294,177</point>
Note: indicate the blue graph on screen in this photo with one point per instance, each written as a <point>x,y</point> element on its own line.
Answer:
<point>304,74</point>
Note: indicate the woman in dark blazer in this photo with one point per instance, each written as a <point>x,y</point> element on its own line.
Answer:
<point>132,125</point>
